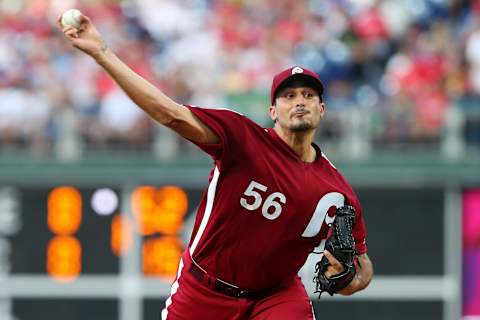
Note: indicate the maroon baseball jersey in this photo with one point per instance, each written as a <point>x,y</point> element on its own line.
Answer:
<point>265,209</point>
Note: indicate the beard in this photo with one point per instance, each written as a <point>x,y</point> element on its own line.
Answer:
<point>301,126</point>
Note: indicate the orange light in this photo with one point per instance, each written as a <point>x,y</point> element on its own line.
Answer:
<point>160,256</point>
<point>172,198</point>
<point>172,206</point>
<point>143,204</point>
<point>64,258</point>
<point>121,239</point>
<point>64,211</point>
<point>159,210</point>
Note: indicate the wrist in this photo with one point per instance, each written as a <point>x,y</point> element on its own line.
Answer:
<point>352,287</point>
<point>101,54</point>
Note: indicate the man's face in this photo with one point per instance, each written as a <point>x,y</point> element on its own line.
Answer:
<point>297,108</point>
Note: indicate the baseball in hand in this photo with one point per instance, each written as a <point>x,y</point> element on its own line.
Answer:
<point>71,18</point>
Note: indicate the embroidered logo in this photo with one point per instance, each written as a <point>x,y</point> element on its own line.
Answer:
<point>297,70</point>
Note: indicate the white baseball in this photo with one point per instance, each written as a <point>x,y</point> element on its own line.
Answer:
<point>71,18</point>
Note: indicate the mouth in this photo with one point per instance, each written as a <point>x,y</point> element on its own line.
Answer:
<point>300,113</point>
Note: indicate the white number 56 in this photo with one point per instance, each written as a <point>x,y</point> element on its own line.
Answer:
<point>256,200</point>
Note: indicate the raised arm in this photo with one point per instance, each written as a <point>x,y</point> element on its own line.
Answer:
<point>149,98</point>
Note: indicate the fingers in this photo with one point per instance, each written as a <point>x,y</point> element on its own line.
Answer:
<point>333,261</point>
<point>84,18</point>
<point>335,266</point>
<point>71,32</point>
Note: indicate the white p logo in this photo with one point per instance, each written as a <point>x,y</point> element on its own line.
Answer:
<point>297,70</point>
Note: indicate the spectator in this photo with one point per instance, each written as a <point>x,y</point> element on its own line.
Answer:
<point>415,58</point>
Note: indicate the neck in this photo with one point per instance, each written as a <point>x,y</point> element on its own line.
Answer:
<point>300,142</point>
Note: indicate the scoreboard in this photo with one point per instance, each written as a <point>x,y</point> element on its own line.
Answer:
<point>65,231</point>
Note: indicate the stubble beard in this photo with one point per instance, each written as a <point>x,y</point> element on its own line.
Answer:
<point>301,126</point>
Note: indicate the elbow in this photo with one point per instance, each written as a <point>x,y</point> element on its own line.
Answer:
<point>167,118</point>
<point>168,121</point>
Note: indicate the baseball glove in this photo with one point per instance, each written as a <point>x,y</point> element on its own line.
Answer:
<point>342,246</point>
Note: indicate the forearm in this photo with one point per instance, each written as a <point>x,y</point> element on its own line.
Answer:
<point>362,277</point>
<point>159,106</point>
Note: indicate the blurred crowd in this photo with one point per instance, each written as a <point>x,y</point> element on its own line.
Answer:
<point>400,64</point>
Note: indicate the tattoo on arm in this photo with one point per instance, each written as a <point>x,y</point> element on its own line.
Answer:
<point>104,47</point>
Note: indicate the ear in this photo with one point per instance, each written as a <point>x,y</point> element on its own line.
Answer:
<point>273,113</point>
<point>322,109</point>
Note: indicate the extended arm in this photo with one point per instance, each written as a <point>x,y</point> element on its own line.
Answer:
<point>154,102</point>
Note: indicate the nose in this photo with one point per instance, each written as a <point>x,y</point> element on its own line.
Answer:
<point>300,101</point>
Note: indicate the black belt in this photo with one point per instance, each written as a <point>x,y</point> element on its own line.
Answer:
<point>222,286</point>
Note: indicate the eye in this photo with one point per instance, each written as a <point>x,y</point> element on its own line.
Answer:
<point>308,95</point>
<point>289,95</point>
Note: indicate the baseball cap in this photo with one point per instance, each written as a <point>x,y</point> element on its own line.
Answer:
<point>300,73</point>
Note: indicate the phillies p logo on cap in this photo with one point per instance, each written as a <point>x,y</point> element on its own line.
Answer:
<point>297,70</point>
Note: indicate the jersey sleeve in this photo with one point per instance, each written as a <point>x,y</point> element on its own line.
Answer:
<point>359,230</point>
<point>229,126</point>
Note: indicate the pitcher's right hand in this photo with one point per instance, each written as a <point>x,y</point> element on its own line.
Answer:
<point>86,38</point>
